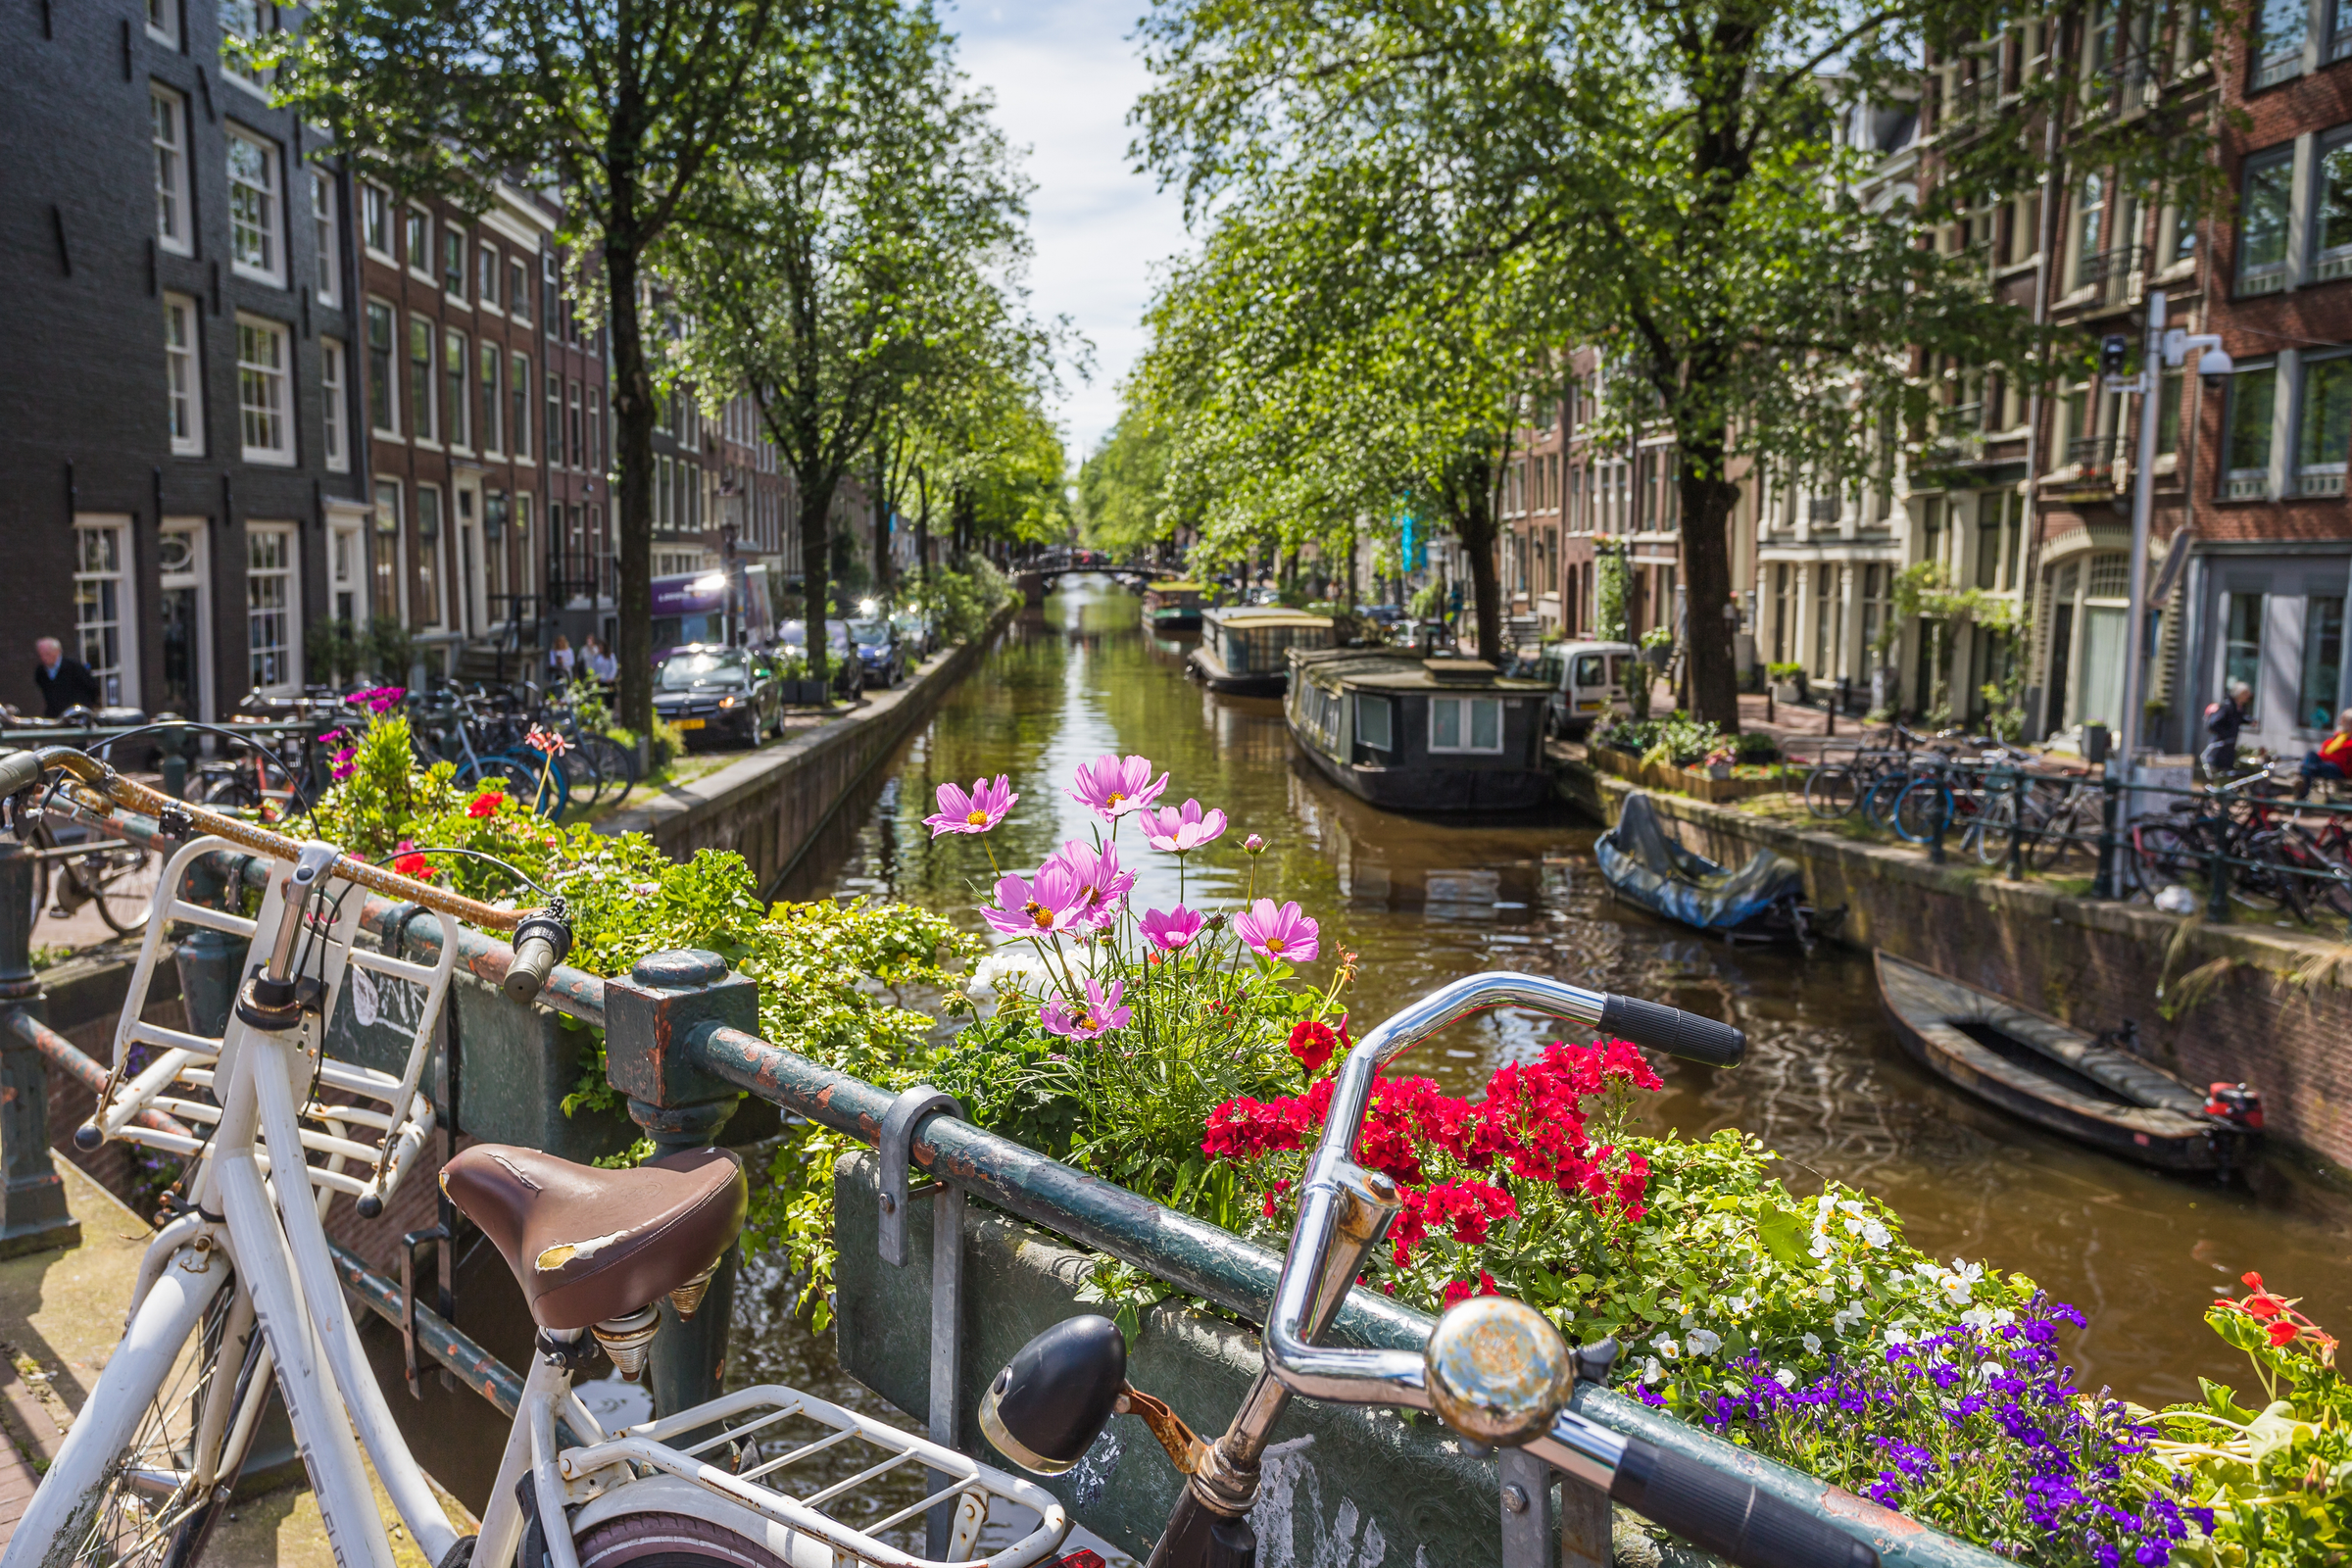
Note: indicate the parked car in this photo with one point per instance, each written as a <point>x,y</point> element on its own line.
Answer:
<point>918,632</point>
<point>880,651</point>
<point>717,694</point>
<point>1587,681</point>
<point>840,652</point>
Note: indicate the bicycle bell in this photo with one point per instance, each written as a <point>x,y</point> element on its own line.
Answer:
<point>1498,1370</point>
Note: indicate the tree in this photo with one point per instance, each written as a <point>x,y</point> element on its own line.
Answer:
<point>629,107</point>
<point>1685,174</point>
<point>873,252</point>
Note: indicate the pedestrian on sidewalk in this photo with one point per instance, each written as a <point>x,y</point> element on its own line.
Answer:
<point>560,656</point>
<point>2222,720</point>
<point>2330,758</point>
<point>62,682</point>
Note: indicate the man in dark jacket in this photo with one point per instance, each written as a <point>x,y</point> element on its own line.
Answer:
<point>2222,720</point>
<point>62,682</point>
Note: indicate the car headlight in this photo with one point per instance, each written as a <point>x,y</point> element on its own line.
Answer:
<point>727,702</point>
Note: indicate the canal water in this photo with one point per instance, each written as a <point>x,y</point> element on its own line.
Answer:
<point>1425,901</point>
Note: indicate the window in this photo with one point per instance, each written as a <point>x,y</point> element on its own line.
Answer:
<point>98,595</point>
<point>519,388</point>
<point>2168,414</point>
<point>2247,459</point>
<point>324,225</point>
<point>488,400</point>
<point>596,431</point>
<point>518,289</point>
<point>163,21</point>
<point>419,240</point>
<point>2242,644</point>
<point>385,594</point>
<point>2279,27</point>
<point>168,114</point>
<point>342,577</point>
<point>428,554</point>
<point>382,408</point>
<point>485,277</point>
<point>263,353</point>
<point>1466,725</point>
<point>2263,221</point>
<point>2090,231</point>
<point>580,444</point>
<point>2322,661</point>
<point>2110,576</point>
<point>1824,663</point>
<point>420,378</point>
<point>375,219</point>
<point>1373,723</point>
<point>333,395</point>
<point>269,623</point>
<point>253,246</point>
<point>243,23</point>
<point>184,380</point>
<point>455,429</point>
<point>547,292</point>
<point>2332,209</point>
<point>2321,443</point>
<point>453,260</point>
<point>2184,245</point>
<point>553,429</point>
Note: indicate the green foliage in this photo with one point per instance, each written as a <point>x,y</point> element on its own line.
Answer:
<point>961,603</point>
<point>1786,670</point>
<point>334,652</point>
<point>1612,577</point>
<point>1677,739</point>
<point>390,647</point>
<point>1122,488</point>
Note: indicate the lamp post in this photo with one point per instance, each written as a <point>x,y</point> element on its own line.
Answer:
<point>2162,347</point>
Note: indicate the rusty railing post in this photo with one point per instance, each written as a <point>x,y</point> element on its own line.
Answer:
<point>652,1020</point>
<point>33,1216</point>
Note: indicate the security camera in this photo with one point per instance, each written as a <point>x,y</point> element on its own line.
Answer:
<point>2213,365</point>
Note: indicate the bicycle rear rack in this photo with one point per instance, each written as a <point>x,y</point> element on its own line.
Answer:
<point>363,1141</point>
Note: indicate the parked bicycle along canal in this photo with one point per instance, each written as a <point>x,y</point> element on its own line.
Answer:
<point>1423,900</point>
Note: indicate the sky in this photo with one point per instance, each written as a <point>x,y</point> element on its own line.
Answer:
<point>1064,76</point>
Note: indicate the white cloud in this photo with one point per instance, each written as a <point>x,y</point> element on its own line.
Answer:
<point>1064,74</point>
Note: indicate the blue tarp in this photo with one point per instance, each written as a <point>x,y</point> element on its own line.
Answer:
<point>1641,861</point>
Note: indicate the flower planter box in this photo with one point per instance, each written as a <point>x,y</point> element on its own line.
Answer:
<point>1692,781</point>
<point>1786,691</point>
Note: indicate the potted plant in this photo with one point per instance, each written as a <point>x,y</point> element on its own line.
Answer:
<point>1787,681</point>
<point>1719,762</point>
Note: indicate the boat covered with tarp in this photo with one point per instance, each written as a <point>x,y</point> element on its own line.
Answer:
<point>1643,863</point>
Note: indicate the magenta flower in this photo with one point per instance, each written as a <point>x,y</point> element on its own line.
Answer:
<point>1100,1014</point>
<point>1101,885</point>
<point>1254,844</point>
<point>1113,786</point>
<point>1281,934</point>
<point>1171,932</point>
<point>343,765</point>
<point>1181,830</point>
<point>975,812</point>
<point>1052,904</point>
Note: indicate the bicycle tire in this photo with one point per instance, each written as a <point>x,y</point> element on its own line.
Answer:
<point>583,780</point>
<point>615,762</point>
<point>2053,844</point>
<point>1830,792</point>
<point>1917,809</point>
<point>120,879</point>
<point>130,1528</point>
<point>524,777</point>
<point>670,1540</point>
<point>1879,801</point>
<point>2328,887</point>
<point>1988,835</point>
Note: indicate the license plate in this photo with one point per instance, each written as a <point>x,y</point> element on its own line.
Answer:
<point>1590,708</point>
<point>690,723</point>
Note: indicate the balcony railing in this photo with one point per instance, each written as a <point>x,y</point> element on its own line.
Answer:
<point>2246,487</point>
<point>2091,454</point>
<point>1824,509</point>
<point>2319,482</point>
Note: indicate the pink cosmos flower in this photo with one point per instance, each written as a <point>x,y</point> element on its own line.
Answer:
<point>1113,787</point>
<point>1281,934</point>
<point>1101,885</point>
<point>1100,1015</point>
<point>1254,844</point>
<point>1171,932</point>
<point>975,812</point>
<point>1182,830</point>
<point>1055,902</point>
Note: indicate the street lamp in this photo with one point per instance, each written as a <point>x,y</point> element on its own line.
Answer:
<point>2171,348</point>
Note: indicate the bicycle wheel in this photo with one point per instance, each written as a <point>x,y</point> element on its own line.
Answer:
<point>2163,855</point>
<point>582,780</point>
<point>525,776</point>
<point>120,878</point>
<point>1923,808</point>
<point>155,1507</point>
<point>2059,842</point>
<point>669,1541</point>
<point>1878,802</point>
<point>615,763</point>
<point>1989,834</point>
<point>1830,792</point>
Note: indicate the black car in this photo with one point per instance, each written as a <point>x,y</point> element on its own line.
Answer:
<point>880,651</point>
<point>717,694</point>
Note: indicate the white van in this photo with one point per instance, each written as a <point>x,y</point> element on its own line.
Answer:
<point>1587,681</point>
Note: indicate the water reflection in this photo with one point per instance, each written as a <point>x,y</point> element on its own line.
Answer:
<point>1423,901</point>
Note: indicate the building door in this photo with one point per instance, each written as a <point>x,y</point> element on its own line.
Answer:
<point>2062,638</point>
<point>185,617</point>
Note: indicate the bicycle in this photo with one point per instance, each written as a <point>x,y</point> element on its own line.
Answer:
<point>514,770</point>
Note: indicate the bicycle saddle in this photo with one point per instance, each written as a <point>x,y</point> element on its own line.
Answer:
<point>590,1245</point>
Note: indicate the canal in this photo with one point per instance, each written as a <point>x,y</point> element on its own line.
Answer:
<point>1423,901</point>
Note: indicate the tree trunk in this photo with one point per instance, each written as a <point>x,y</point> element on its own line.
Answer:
<point>881,526</point>
<point>922,526</point>
<point>817,564</point>
<point>1473,519</point>
<point>633,408</point>
<point>1713,674</point>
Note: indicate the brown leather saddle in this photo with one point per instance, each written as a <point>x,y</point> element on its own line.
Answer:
<point>591,1244</point>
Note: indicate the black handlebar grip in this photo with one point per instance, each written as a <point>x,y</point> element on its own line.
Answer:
<point>1673,1031</point>
<point>1723,1514</point>
<point>19,773</point>
<point>535,958</point>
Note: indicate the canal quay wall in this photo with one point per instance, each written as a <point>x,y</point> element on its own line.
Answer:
<point>771,807</point>
<point>2089,962</point>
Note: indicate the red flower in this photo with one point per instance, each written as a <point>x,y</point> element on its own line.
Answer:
<point>2283,1333</point>
<point>485,804</point>
<point>413,866</point>
<point>1312,1044</point>
<point>1462,1289</point>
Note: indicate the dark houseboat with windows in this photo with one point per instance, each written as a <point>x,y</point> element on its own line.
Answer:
<point>1415,734</point>
<point>1173,605</point>
<point>1245,649</point>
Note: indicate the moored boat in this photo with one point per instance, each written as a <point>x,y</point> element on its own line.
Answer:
<point>2064,1080</point>
<point>1415,734</point>
<point>1245,649</point>
<point>1644,865</point>
<point>1172,605</point>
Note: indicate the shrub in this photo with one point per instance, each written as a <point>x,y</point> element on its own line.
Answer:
<point>1789,671</point>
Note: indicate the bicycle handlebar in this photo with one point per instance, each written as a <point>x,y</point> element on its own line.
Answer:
<point>1728,1516</point>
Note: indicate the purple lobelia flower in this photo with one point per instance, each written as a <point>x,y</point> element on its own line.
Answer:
<point>983,809</point>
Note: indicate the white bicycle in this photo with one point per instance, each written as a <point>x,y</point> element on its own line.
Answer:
<point>238,1293</point>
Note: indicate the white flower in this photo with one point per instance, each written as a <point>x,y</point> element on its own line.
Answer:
<point>1992,1369</point>
<point>1784,1378</point>
<point>1899,1336</point>
<point>1689,1321</point>
<point>1849,1206</point>
<point>1960,1281</point>
<point>1979,1318</point>
<point>1828,1292</point>
<point>2002,1317</point>
<point>1666,1347</point>
<point>1853,1227</point>
<point>1652,1371</point>
<point>1875,1233</point>
<point>1703,1342</point>
<point>1812,1342</point>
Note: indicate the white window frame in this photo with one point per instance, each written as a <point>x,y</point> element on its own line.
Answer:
<point>1464,725</point>
<point>1364,702</point>
<point>192,573</point>
<point>2250,484</point>
<point>518,300</point>
<point>375,214</point>
<point>264,17</point>
<point>416,224</point>
<point>270,224</point>
<point>424,377</point>
<point>107,587</point>
<point>265,391</point>
<point>2266,277</point>
<point>184,375</point>
<point>452,231</point>
<point>490,394</point>
<point>326,231</point>
<point>390,521</point>
<point>347,571</point>
<point>168,130</point>
<point>163,21</point>
<point>383,417</point>
<point>456,429</point>
<point>486,253</point>
<point>334,396</point>
<point>281,605</point>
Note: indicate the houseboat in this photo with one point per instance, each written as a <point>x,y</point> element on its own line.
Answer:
<point>1172,605</point>
<point>1415,734</point>
<point>1245,650</point>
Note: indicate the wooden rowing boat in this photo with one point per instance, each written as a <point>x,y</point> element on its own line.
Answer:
<point>2055,1076</point>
